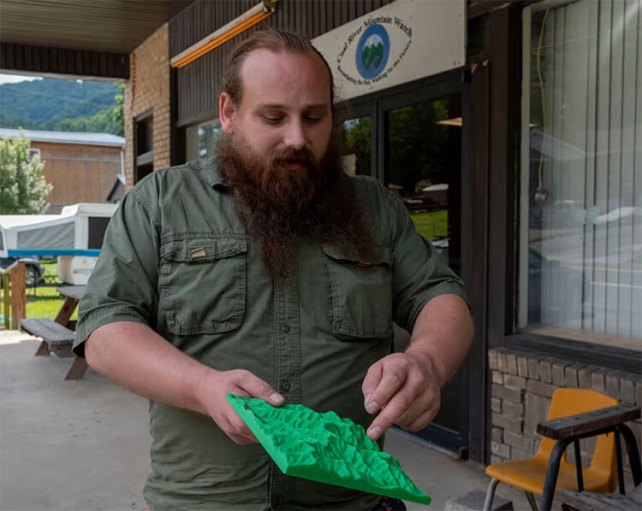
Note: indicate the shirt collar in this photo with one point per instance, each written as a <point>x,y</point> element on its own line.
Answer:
<point>212,176</point>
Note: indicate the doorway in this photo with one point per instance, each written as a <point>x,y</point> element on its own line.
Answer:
<point>412,141</point>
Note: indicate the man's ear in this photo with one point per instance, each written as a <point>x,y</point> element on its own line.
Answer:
<point>226,112</point>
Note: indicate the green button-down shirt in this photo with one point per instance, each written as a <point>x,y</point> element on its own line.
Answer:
<point>176,257</point>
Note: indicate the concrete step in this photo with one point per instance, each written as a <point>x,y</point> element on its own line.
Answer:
<point>474,501</point>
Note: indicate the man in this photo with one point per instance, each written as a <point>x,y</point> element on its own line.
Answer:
<point>268,272</point>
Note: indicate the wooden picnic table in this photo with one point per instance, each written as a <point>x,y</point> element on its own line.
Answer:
<point>72,295</point>
<point>57,336</point>
<point>75,292</point>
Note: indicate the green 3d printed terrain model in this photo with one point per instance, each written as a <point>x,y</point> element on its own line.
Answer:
<point>324,447</point>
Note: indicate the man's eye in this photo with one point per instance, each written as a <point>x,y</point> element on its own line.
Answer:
<point>272,119</point>
<point>310,119</point>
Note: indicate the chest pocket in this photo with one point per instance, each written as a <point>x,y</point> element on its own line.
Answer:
<point>361,294</point>
<point>203,285</point>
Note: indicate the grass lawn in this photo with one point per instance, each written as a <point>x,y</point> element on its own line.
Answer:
<point>44,301</point>
<point>431,225</point>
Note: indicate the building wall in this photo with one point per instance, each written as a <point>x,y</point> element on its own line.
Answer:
<point>522,384</point>
<point>78,173</point>
<point>198,82</point>
<point>148,89</point>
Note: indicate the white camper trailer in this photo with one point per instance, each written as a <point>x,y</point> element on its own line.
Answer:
<point>74,236</point>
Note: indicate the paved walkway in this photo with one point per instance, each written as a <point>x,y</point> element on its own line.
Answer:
<point>83,445</point>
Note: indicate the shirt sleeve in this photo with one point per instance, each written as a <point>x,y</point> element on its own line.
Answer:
<point>420,272</point>
<point>123,285</point>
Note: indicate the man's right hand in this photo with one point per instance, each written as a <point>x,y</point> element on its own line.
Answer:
<point>157,370</point>
<point>239,382</point>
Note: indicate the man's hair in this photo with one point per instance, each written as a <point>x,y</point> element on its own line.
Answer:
<point>277,41</point>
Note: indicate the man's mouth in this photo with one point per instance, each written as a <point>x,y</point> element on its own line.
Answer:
<point>292,164</point>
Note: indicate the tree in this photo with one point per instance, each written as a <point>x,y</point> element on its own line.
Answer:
<point>108,120</point>
<point>358,141</point>
<point>118,112</point>
<point>63,105</point>
<point>23,189</point>
<point>418,145</point>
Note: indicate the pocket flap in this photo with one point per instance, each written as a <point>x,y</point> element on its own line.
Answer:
<point>202,250</point>
<point>381,255</point>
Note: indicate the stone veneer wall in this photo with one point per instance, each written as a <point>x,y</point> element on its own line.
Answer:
<point>522,385</point>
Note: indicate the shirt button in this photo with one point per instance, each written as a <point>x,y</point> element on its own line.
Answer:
<point>285,386</point>
<point>285,328</point>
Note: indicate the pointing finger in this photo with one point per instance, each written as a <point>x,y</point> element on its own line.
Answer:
<point>371,381</point>
<point>388,416</point>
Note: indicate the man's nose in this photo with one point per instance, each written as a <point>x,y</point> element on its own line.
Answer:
<point>295,135</point>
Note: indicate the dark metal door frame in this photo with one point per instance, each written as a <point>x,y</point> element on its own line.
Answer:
<point>475,249</point>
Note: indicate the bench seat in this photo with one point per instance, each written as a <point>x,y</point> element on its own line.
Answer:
<point>54,333</point>
<point>590,501</point>
<point>57,339</point>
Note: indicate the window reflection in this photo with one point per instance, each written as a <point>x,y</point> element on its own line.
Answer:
<point>201,139</point>
<point>357,141</point>
<point>423,168</point>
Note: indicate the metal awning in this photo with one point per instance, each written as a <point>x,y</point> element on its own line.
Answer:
<point>78,36</point>
<point>113,26</point>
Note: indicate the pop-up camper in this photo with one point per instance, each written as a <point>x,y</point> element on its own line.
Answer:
<point>75,237</point>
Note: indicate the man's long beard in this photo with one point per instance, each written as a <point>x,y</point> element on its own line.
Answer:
<point>279,207</point>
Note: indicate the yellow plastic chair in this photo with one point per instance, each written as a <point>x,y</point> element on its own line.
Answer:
<point>529,474</point>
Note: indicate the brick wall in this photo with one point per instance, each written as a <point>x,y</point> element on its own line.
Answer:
<point>521,388</point>
<point>149,89</point>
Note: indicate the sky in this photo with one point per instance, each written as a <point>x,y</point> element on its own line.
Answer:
<point>5,78</point>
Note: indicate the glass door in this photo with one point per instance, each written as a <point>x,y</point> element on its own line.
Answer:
<point>422,148</point>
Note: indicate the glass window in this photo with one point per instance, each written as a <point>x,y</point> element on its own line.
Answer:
<point>357,141</point>
<point>581,206</point>
<point>200,140</point>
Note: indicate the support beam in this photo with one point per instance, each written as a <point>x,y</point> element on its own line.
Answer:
<point>62,62</point>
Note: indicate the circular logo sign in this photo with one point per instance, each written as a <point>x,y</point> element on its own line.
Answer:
<point>373,51</point>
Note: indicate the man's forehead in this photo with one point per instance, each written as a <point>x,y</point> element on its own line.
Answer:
<point>263,66</point>
<point>259,55</point>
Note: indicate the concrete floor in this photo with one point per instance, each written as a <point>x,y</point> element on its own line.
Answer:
<point>83,445</point>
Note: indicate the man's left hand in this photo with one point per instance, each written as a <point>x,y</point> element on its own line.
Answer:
<point>403,389</point>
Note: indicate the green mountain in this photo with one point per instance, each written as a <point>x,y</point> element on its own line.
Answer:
<point>61,105</point>
<point>372,56</point>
